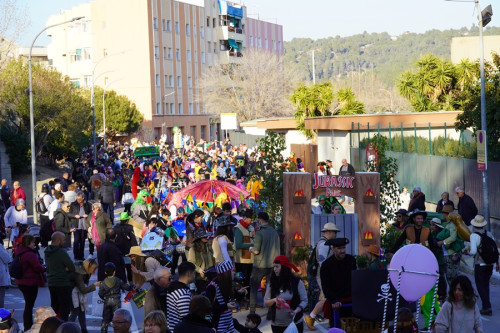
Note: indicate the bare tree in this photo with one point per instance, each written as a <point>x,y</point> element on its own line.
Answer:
<point>13,22</point>
<point>257,86</point>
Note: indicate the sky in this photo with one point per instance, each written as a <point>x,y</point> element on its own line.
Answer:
<point>318,18</point>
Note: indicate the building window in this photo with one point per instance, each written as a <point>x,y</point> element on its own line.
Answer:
<point>251,41</point>
<point>208,21</point>
<point>169,53</point>
<point>279,45</point>
<point>87,80</point>
<point>179,82</point>
<point>202,57</point>
<point>194,30</point>
<point>259,42</point>
<point>203,131</point>
<point>155,23</point>
<point>215,47</point>
<point>164,52</point>
<point>78,54</point>
<point>209,47</point>
<point>190,82</point>
<point>87,53</point>
<point>195,56</point>
<point>214,24</point>
<point>157,80</point>
<point>172,108</point>
<point>202,32</point>
<point>188,55</point>
<point>178,54</point>
<point>176,27</point>
<point>265,44</point>
<point>171,81</point>
<point>169,26</point>
<point>190,105</point>
<point>158,108</point>
<point>192,130</point>
<point>163,25</point>
<point>188,30</point>
<point>157,52</point>
<point>274,45</point>
<point>179,108</point>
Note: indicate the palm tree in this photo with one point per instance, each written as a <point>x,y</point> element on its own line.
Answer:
<point>467,73</point>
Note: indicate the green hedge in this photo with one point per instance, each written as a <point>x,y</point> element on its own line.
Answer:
<point>17,148</point>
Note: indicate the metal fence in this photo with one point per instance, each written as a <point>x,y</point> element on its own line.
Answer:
<point>347,223</point>
<point>240,137</point>
<point>437,174</point>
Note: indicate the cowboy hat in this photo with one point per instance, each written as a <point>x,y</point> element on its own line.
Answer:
<point>447,209</point>
<point>418,212</point>
<point>330,226</point>
<point>478,221</point>
<point>402,211</point>
<point>337,242</point>
<point>374,249</point>
<point>223,221</point>
<point>201,233</point>
<point>437,222</point>
<point>136,250</point>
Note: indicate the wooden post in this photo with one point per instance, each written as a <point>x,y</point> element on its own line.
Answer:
<point>296,210</point>
<point>368,209</point>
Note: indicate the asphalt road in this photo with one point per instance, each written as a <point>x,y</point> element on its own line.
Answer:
<point>14,300</point>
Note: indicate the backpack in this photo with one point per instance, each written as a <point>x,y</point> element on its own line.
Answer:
<point>312,263</point>
<point>40,206</point>
<point>488,249</point>
<point>16,268</point>
<point>160,257</point>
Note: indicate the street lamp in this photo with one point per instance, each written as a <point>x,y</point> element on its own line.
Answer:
<point>484,18</point>
<point>92,101</point>
<point>32,120</point>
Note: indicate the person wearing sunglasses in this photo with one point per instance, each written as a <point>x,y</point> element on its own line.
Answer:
<point>156,298</point>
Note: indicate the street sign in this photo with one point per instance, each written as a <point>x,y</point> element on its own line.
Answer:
<point>481,150</point>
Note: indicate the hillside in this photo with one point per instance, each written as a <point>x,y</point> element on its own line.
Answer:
<point>387,55</point>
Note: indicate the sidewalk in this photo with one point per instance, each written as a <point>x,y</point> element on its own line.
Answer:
<point>467,266</point>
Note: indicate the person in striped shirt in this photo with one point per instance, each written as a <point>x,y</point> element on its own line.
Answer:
<point>179,294</point>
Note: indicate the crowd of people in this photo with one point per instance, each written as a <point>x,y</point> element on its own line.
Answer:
<point>202,263</point>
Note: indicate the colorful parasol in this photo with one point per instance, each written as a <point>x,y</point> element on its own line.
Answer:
<point>207,191</point>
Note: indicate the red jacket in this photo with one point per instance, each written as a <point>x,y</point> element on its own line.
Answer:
<point>17,194</point>
<point>32,269</point>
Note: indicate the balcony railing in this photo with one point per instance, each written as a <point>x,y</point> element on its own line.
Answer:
<point>235,54</point>
<point>236,30</point>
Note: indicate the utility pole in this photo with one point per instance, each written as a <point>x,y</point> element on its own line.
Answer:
<point>486,197</point>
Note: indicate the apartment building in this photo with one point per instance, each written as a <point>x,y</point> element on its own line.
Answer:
<point>155,52</point>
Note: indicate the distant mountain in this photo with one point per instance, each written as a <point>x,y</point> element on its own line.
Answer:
<point>387,55</point>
